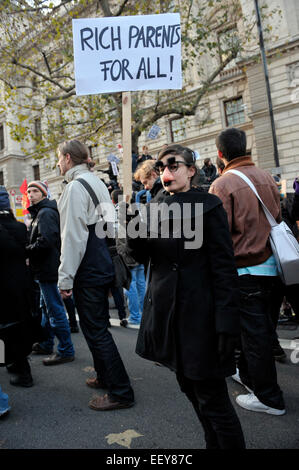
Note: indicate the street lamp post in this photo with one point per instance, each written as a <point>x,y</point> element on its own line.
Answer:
<point>262,49</point>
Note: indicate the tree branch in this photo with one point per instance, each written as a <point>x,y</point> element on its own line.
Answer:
<point>51,99</point>
<point>40,74</point>
<point>181,111</point>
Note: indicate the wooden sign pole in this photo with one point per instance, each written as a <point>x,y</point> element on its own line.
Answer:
<point>127,144</point>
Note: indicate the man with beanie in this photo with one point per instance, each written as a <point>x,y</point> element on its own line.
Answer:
<point>44,257</point>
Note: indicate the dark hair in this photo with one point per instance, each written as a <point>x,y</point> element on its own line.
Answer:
<point>206,161</point>
<point>175,149</point>
<point>79,152</point>
<point>115,195</point>
<point>187,154</point>
<point>232,143</point>
<point>220,163</point>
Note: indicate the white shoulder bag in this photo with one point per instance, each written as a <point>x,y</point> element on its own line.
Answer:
<point>283,243</point>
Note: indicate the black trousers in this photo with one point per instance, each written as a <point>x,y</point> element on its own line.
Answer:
<point>292,296</point>
<point>213,407</point>
<point>256,363</point>
<point>71,312</point>
<point>93,310</point>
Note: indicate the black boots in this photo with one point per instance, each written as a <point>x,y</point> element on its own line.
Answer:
<point>21,373</point>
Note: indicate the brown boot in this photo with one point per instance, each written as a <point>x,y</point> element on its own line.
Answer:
<point>105,403</point>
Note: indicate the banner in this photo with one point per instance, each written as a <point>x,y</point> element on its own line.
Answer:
<point>127,53</point>
<point>25,200</point>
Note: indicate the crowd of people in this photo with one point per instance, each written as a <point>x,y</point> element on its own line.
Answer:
<point>200,303</point>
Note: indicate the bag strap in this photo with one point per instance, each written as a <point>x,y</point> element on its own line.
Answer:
<point>94,198</point>
<point>268,214</point>
<point>89,189</point>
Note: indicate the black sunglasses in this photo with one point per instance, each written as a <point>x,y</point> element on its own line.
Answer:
<point>172,165</point>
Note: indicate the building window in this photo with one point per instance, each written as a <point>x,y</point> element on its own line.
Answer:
<point>177,129</point>
<point>93,150</point>
<point>37,127</point>
<point>1,178</point>
<point>1,137</point>
<point>227,40</point>
<point>234,111</point>
<point>36,172</point>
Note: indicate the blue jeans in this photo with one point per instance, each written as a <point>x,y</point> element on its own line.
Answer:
<point>4,406</point>
<point>54,320</point>
<point>135,294</point>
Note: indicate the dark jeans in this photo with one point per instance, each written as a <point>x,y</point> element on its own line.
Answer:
<point>93,310</point>
<point>256,363</point>
<point>118,296</point>
<point>213,407</point>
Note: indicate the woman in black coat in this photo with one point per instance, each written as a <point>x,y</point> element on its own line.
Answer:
<point>191,318</point>
<point>15,312</point>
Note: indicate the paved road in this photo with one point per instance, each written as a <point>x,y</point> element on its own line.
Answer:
<point>54,413</point>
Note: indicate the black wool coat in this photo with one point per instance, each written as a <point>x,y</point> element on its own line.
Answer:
<point>14,276</point>
<point>44,241</point>
<point>192,294</point>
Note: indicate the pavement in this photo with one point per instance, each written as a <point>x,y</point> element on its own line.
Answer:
<point>54,413</point>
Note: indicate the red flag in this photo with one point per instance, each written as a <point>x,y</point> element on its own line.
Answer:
<point>25,200</point>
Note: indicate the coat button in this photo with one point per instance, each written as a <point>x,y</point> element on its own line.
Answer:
<point>174,267</point>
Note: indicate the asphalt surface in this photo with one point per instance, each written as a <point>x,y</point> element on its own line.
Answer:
<point>54,413</point>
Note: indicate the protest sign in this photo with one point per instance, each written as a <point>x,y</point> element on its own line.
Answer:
<point>112,158</point>
<point>153,132</point>
<point>127,53</point>
<point>114,168</point>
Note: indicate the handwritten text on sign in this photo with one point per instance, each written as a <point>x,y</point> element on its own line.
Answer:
<point>127,53</point>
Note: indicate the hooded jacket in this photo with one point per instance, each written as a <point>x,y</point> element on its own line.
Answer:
<point>44,241</point>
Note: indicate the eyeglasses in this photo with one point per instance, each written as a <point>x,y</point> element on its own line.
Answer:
<point>172,167</point>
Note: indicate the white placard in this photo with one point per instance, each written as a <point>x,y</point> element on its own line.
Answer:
<point>153,132</point>
<point>114,168</point>
<point>127,53</point>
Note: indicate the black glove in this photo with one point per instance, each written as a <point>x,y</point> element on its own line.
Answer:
<point>226,347</point>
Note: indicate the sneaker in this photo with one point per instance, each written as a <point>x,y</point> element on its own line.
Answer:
<point>252,403</point>
<point>57,359</point>
<point>4,412</point>
<point>236,378</point>
<point>123,323</point>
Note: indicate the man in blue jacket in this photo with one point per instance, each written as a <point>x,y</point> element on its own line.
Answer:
<point>44,254</point>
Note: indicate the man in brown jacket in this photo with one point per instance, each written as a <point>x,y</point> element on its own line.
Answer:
<point>256,266</point>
